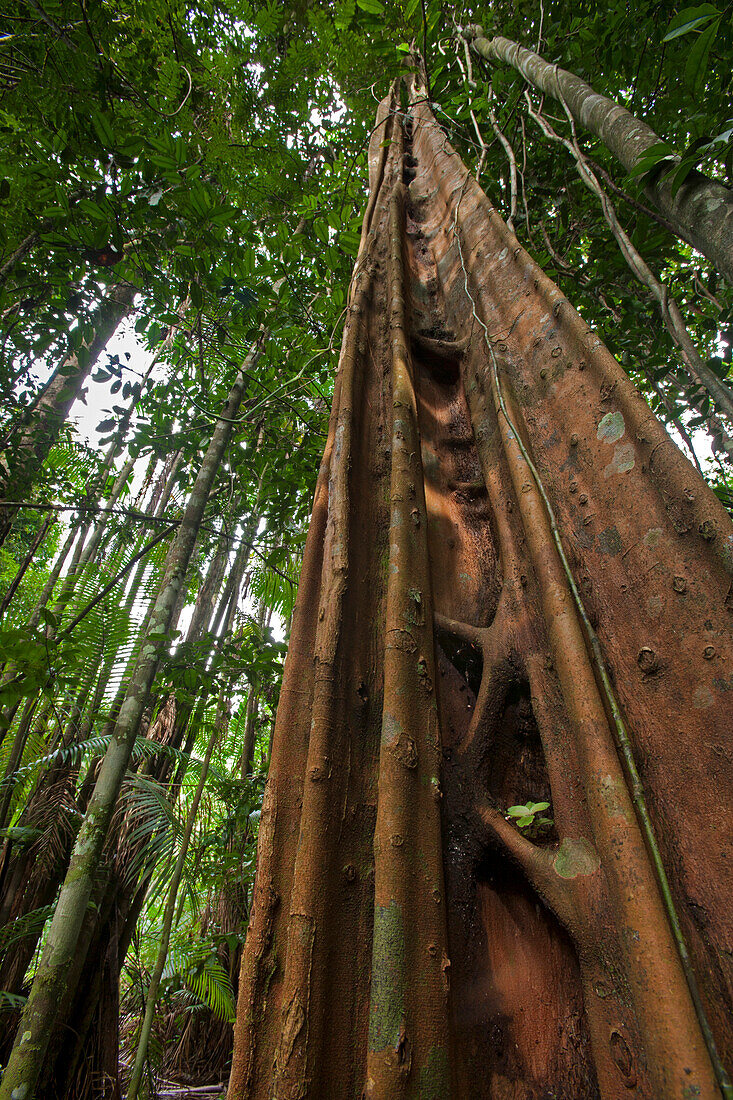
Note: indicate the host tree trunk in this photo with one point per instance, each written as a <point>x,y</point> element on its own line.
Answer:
<point>515,590</point>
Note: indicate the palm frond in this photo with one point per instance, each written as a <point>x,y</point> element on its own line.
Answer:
<point>213,988</point>
<point>30,924</point>
<point>11,1002</point>
<point>151,828</point>
<point>74,754</point>
<point>200,969</point>
<point>275,579</point>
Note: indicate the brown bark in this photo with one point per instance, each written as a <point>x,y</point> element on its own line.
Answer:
<point>491,470</point>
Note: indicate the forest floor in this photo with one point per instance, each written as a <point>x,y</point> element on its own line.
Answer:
<point>173,1090</point>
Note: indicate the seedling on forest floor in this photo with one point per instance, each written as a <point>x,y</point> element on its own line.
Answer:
<point>530,817</point>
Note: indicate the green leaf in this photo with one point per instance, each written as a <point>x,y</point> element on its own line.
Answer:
<point>21,834</point>
<point>29,924</point>
<point>698,57</point>
<point>523,822</point>
<point>518,811</point>
<point>374,7</point>
<point>690,19</point>
<point>652,157</point>
<point>49,618</point>
<point>11,1002</point>
<point>197,298</point>
<point>680,175</point>
<point>103,129</point>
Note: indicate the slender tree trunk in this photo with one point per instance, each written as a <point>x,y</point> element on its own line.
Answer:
<point>90,550</point>
<point>19,254</point>
<point>83,1052</point>
<point>69,579</point>
<point>30,882</point>
<point>203,608</point>
<point>31,444</point>
<point>26,1060</point>
<point>110,659</point>
<point>203,612</point>
<point>250,731</point>
<point>166,483</point>
<point>492,472</point>
<point>53,577</point>
<point>27,881</point>
<point>701,211</point>
<point>7,787</point>
<point>207,1038</point>
<point>162,492</point>
<point>77,536</point>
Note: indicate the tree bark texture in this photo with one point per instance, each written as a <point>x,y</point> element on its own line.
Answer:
<point>701,211</point>
<point>515,588</point>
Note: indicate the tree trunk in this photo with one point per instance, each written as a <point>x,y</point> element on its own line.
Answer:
<point>491,471</point>
<point>53,577</point>
<point>204,1050</point>
<point>701,211</point>
<point>50,981</point>
<point>32,876</point>
<point>82,1055</point>
<point>28,450</point>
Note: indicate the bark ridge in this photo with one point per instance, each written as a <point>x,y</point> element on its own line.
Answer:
<point>486,456</point>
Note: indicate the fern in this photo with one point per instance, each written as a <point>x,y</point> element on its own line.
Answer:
<point>152,829</point>
<point>71,458</point>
